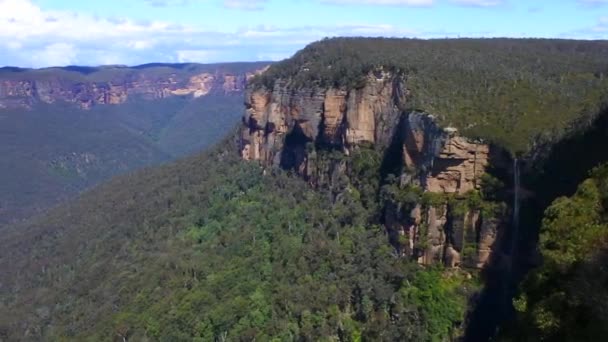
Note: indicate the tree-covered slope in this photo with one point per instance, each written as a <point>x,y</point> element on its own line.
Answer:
<point>509,91</point>
<point>211,248</point>
<point>565,299</point>
<point>53,151</point>
<point>65,129</point>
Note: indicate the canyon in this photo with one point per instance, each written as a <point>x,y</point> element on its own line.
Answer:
<point>66,129</point>
<point>467,196</point>
<point>375,189</point>
<point>283,127</point>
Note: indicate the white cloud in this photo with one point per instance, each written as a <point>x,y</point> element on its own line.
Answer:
<point>22,19</point>
<point>602,25</point>
<point>236,4</point>
<point>597,31</point>
<point>472,3</point>
<point>17,10</point>
<point>165,3</point>
<point>13,45</point>
<point>593,2</point>
<point>479,3</point>
<point>382,2</point>
<point>141,44</point>
<point>33,37</point>
<point>56,54</point>
<point>194,56</point>
<point>245,4</point>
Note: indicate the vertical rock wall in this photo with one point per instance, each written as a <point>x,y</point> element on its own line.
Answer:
<point>283,126</point>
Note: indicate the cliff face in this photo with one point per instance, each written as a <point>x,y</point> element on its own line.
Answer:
<point>450,166</point>
<point>286,126</point>
<point>280,122</point>
<point>24,89</point>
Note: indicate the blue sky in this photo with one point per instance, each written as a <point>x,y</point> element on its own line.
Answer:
<point>39,33</point>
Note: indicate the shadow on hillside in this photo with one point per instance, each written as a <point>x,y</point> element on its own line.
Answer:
<point>556,171</point>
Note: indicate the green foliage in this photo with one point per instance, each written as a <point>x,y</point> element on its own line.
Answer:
<point>460,206</point>
<point>52,152</point>
<point>470,251</point>
<point>434,199</point>
<point>408,195</point>
<point>490,186</point>
<point>562,300</point>
<point>208,248</point>
<point>365,173</point>
<point>507,91</point>
<point>438,294</point>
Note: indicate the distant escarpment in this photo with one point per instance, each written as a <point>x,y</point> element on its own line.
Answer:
<point>87,87</point>
<point>66,129</point>
<point>427,178</point>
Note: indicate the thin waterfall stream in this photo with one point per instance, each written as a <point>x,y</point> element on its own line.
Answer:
<point>494,305</point>
<point>516,206</point>
<point>509,281</point>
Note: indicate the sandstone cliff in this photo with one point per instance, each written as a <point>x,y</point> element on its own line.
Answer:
<point>114,85</point>
<point>285,126</point>
<point>451,167</point>
<point>333,117</point>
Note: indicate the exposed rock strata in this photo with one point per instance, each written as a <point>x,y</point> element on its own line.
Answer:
<point>24,91</point>
<point>333,117</point>
<point>284,125</point>
<point>448,164</point>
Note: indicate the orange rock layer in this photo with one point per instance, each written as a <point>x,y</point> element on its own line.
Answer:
<point>281,123</point>
<point>24,93</point>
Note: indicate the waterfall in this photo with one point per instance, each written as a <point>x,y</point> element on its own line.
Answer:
<point>516,205</point>
<point>495,305</point>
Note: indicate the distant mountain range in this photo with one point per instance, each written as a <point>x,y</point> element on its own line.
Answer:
<point>65,129</point>
<point>90,86</point>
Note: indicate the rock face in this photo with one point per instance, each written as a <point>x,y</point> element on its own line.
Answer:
<point>453,164</point>
<point>25,88</point>
<point>450,166</point>
<point>280,122</point>
<point>284,126</point>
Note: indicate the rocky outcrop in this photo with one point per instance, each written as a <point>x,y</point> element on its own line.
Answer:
<point>448,227</point>
<point>280,122</point>
<point>114,86</point>
<point>285,126</point>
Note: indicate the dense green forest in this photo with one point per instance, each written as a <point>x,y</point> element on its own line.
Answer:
<point>514,92</point>
<point>52,152</point>
<point>210,248</point>
<point>565,299</point>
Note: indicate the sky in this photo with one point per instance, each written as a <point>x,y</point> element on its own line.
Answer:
<point>41,33</point>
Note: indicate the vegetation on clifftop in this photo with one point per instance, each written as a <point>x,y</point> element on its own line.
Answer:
<point>508,91</point>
